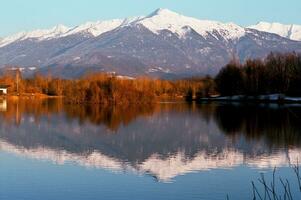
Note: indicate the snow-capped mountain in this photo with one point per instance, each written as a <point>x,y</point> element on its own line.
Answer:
<point>163,43</point>
<point>163,19</point>
<point>54,32</point>
<point>93,28</point>
<point>291,31</point>
<point>100,27</point>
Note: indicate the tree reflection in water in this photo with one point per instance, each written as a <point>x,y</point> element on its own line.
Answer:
<point>164,139</point>
<point>278,125</point>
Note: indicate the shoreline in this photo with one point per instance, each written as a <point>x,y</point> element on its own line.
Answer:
<point>272,98</point>
<point>29,96</point>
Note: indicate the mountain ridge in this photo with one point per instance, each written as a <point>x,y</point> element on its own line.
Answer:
<point>62,30</point>
<point>290,31</point>
<point>160,44</point>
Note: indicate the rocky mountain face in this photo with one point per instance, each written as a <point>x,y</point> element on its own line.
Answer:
<point>163,44</point>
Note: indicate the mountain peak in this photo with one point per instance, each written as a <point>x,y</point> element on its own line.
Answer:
<point>164,19</point>
<point>60,28</point>
<point>162,11</point>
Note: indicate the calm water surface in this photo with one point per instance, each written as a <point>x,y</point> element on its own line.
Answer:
<point>49,150</point>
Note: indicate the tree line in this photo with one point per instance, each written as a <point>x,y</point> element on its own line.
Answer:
<point>104,88</point>
<point>277,73</point>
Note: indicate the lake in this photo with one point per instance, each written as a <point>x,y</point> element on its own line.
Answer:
<point>50,150</point>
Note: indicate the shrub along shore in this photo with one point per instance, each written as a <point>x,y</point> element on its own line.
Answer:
<point>101,88</point>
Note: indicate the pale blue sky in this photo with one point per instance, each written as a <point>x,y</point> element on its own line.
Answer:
<point>19,15</point>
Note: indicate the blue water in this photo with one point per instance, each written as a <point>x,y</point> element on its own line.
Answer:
<point>175,151</point>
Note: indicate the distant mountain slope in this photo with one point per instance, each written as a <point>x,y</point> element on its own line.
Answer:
<point>162,44</point>
<point>291,31</point>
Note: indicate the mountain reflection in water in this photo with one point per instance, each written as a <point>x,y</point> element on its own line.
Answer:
<point>164,140</point>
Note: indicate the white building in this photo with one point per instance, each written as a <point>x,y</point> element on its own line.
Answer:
<point>3,89</point>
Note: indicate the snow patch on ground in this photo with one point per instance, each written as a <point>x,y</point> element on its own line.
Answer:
<point>158,69</point>
<point>270,97</point>
<point>76,58</point>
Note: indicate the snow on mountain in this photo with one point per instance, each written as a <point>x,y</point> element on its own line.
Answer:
<point>159,20</point>
<point>37,34</point>
<point>165,19</point>
<point>291,31</point>
<point>163,44</point>
<point>12,38</point>
<point>95,28</point>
